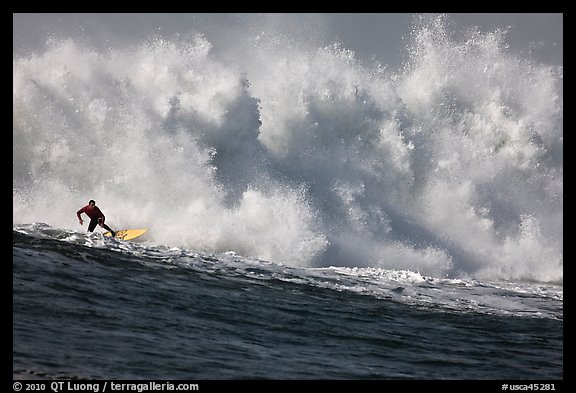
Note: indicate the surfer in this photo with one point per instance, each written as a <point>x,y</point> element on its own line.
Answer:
<point>96,217</point>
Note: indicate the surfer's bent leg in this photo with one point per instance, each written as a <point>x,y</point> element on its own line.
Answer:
<point>108,229</point>
<point>92,225</point>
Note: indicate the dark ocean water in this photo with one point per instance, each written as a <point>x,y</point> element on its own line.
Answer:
<point>88,307</point>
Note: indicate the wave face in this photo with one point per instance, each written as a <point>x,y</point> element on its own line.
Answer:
<point>133,310</point>
<point>451,166</point>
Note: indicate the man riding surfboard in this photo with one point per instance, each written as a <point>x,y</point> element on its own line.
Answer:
<point>96,217</point>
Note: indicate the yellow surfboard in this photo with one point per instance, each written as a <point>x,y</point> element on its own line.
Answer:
<point>127,234</point>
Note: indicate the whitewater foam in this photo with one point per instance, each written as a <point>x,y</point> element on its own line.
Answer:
<point>451,167</point>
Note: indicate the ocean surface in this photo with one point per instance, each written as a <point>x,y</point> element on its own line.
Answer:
<point>311,216</point>
<point>86,306</point>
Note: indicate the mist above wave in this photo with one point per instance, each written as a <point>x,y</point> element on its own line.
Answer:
<point>452,166</point>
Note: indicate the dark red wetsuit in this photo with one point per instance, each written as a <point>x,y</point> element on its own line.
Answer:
<point>93,212</point>
<point>96,216</point>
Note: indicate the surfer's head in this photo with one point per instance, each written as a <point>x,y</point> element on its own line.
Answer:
<point>92,202</point>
